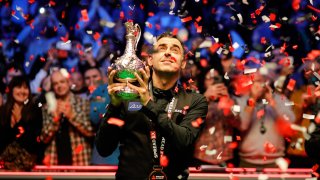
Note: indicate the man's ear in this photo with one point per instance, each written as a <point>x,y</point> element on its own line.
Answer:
<point>149,60</point>
<point>183,63</point>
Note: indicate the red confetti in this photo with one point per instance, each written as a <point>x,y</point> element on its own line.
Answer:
<point>315,167</point>
<point>141,6</point>
<point>42,59</point>
<point>295,47</point>
<point>198,18</point>
<point>116,121</point>
<point>269,147</point>
<point>295,5</point>
<point>52,3</point>
<point>65,39</point>
<point>186,19</point>
<point>150,14</point>
<point>291,84</point>
<point>233,145</point>
<point>203,63</point>
<point>317,119</point>
<point>313,8</point>
<point>272,16</point>
<point>21,131</point>
<point>260,113</point>
<point>121,15</point>
<point>175,31</point>
<point>263,40</point>
<point>96,36</point>
<point>164,161</point>
<point>196,123</point>
<point>284,127</point>
<point>63,14</point>
<point>46,160</point>
<point>31,1</point>
<point>78,149</point>
<point>84,15</point>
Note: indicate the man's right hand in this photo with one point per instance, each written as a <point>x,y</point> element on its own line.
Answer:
<point>113,88</point>
<point>215,91</point>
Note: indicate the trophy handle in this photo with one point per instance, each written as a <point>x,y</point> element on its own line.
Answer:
<point>138,29</point>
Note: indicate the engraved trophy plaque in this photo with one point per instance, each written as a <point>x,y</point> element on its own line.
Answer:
<point>129,63</point>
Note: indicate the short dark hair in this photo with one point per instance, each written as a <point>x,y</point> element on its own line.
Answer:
<point>170,35</point>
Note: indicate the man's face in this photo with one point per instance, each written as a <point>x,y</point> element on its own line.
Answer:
<point>60,84</point>
<point>168,56</point>
<point>92,77</point>
<point>77,80</point>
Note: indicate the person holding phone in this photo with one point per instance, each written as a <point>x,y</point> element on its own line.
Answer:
<point>214,145</point>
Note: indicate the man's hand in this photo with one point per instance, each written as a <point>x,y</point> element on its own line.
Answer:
<point>269,96</point>
<point>65,108</point>
<point>113,88</point>
<point>143,89</point>
<point>216,91</point>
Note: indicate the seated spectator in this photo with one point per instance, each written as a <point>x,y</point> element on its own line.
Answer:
<point>20,127</point>
<point>66,125</point>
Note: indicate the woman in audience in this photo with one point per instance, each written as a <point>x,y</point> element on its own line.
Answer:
<point>20,127</point>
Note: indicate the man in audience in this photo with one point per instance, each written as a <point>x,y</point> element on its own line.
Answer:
<point>66,125</point>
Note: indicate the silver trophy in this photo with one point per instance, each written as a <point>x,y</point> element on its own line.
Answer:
<point>129,63</point>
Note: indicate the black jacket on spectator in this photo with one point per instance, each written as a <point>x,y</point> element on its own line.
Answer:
<point>180,133</point>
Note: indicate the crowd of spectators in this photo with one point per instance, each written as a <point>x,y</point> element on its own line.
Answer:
<point>257,63</point>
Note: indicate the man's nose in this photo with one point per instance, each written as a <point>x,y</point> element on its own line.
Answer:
<point>168,52</point>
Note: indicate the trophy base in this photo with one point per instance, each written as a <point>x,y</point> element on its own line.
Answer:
<point>127,94</point>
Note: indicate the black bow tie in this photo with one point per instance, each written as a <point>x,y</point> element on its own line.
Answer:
<point>159,93</point>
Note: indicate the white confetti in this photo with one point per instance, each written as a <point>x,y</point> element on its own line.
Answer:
<point>311,2</point>
<point>203,147</point>
<point>219,50</point>
<point>89,31</point>
<point>273,26</point>
<point>227,139</point>
<point>282,164</point>
<point>235,45</point>
<point>240,18</point>
<point>265,18</point>
<point>219,155</point>
<point>264,101</point>
<point>226,76</point>
<point>311,128</point>
<point>316,75</point>
<point>308,116</point>
<point>248,71</point>
<point>206,43</point>
<point>64,72</point>
<point>290,103</point>
<point>245,2</point>
<point>27,64</point>
<point>211,152</point>
<point>26,101</point>
<point>39,104</point>
<point>298,128</point>
<point>212,129</point>
<point>236,108</point>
